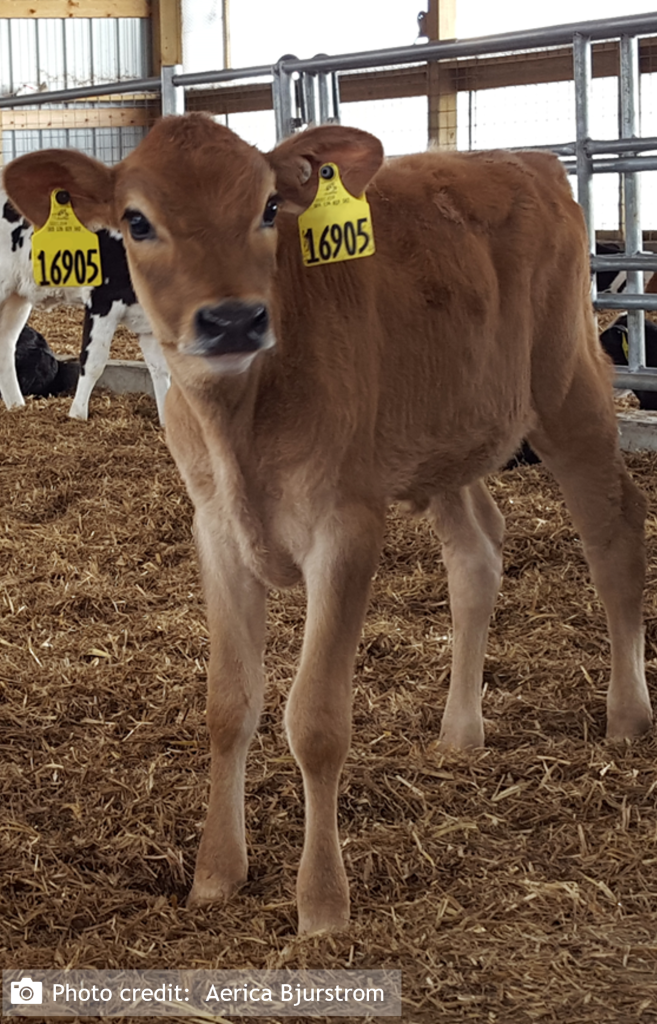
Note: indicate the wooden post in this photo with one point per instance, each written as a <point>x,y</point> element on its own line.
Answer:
<point>225,33</point>
<point>439,22</point>
<point>167,34</point>
<point>75,9</point>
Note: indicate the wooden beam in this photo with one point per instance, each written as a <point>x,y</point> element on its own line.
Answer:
<point>97,117</point>
<point>75,9</point>
<point>231,99</point>
<point>440,24</point>
<point>167,33</point>
<point>479,73</point>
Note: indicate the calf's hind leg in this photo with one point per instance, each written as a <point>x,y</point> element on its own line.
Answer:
<point>579,444</point>
<point>471,528</point>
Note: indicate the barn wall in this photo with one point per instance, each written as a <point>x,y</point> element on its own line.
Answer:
<point>38,55</point>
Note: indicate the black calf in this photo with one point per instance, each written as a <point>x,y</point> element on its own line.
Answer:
<point>39,370</point>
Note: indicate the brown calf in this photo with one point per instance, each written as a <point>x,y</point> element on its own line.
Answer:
<point>304,400</point>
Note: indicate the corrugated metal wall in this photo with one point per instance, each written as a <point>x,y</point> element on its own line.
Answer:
<point>61,53</point>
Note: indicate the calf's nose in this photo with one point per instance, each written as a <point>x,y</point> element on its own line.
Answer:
<point>231,326</point>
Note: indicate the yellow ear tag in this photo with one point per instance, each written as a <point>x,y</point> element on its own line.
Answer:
<point>338,226</point>
<point>626,347</point>
<point>65,254</point>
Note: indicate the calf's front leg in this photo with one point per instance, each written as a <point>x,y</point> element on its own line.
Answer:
<point>338,572</point>
<point>236,619</point>
<point>97,334</point>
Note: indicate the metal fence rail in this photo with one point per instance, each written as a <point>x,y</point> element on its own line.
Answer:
<point>308,91</point>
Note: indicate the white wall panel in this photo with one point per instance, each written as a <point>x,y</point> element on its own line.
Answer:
<point>53,53</point>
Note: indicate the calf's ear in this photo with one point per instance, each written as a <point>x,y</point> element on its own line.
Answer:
<point>296,161</point>
<point>29,181</point>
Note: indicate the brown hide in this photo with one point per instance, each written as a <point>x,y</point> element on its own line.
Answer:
<point>303,400</point>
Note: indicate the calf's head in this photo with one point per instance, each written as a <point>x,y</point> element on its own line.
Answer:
<point>197,208</point>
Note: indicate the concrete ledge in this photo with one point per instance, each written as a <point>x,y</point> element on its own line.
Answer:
<point>638,430</point>
<point>123,375</point>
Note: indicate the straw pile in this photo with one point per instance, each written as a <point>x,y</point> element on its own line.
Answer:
<point>511,885</point>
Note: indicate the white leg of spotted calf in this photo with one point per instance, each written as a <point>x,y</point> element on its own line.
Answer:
<point>159,371</point>
<point>97,335</point>
<point>471,529</point>
<point>338,573</point>
<point>14,312</point>
<point>236,619</point>
<point>579,444</point>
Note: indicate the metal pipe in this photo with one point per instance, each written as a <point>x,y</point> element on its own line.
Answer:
<point>308,112</point>
<point>567,149</point>
<point>615,166</point>
<point>173,96</point>
<point>133,85</point>
<point>625,301</point>
<point>629,106</point>
<point>335,96</point>
<point>284,104</point>
<point>641,380</point>
<point>582,75</point>
<point>324,99</point>
<point>611,28</point>
<point>630,164</point>
<point>623,262</point>
<point>227,74</point>
<point>559,148</point>
<point>621,146</point>
<point>109,89</point>
<point>328,97</point>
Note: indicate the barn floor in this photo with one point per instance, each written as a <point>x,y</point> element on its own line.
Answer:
<point>515,884</point>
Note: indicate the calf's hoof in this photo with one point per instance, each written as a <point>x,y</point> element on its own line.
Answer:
<point>209,890</point>
<point>324,917</point>
<point>629,723</point>
<point>322,900</point>
<point>456,735</point>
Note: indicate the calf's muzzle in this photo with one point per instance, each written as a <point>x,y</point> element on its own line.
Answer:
<point>231,328</point>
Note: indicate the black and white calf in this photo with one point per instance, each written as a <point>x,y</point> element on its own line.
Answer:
<point>614,281</point>
<point>106,306</point>
<point>614,341</point>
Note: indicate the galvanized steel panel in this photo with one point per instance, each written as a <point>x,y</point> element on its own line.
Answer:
<point>77,50</point>
<point>44,54</point>
<point>5,58</point>
<point>50,54</point>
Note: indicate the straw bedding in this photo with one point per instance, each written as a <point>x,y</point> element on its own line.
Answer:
<point>513,884</point>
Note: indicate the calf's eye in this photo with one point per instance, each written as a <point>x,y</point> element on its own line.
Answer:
<point>271,209</point>
<point>139,226</point>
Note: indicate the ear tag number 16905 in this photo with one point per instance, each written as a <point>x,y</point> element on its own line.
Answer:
<point>338,226</point>
<point>65,254</point>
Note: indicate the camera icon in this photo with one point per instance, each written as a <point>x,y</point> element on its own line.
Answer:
<point>26,991</point>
